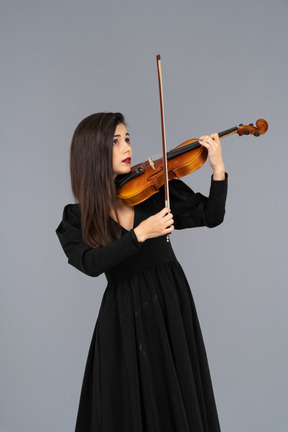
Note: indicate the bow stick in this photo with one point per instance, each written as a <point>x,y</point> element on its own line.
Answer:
<point>164,151</point>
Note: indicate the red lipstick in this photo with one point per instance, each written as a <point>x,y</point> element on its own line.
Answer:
<point>127,160</point>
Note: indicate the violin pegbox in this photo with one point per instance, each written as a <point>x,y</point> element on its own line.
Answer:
<point>260,128</point>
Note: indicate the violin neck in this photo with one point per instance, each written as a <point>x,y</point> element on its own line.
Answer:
<point>195,144</point>
<point>228,132</point>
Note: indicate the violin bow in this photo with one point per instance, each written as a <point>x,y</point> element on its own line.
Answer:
<point>165,166</point>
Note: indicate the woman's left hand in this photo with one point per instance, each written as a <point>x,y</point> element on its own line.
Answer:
<point>213,145</point>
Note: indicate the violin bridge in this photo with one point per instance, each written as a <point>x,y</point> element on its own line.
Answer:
<point>151,163</point>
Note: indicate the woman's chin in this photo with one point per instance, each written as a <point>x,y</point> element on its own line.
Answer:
<point>124,170</point>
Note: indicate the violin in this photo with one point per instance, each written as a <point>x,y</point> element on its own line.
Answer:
<point>145,179</point>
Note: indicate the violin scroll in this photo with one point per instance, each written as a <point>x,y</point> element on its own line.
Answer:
<point>260,129</point>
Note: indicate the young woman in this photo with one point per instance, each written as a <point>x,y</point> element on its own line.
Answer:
<point>147,369</point>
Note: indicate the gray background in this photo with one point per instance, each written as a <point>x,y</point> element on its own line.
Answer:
<point>223,63</point>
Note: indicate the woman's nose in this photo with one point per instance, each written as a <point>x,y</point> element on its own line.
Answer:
<point>126,147</point>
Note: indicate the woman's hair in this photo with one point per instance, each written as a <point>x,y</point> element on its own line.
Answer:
<point>92,181</point>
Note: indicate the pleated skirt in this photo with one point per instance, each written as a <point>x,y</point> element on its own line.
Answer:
<point>147,369</point>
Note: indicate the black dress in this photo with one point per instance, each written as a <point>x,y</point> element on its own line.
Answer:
<point>147,369</point>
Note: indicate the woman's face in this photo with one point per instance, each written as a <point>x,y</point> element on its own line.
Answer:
<point>122,151</point>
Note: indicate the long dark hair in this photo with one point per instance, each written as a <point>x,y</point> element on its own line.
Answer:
<point>92,179</point>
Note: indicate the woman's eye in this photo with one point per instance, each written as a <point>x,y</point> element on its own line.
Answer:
<point>127,140</point>
<point>115,142</point>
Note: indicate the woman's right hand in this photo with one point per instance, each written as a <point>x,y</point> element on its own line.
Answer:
<point>155,226</point>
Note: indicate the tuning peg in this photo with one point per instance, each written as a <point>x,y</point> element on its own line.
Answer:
<point>256,134</point>
<point>247,132</point>
<point>250,124</point>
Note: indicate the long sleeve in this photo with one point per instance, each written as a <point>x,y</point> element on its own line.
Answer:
<point>192,209</point>
<point>89,260</point>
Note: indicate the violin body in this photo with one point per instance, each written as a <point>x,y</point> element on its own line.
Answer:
<point>143,187</point>
<point>145,179</point>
